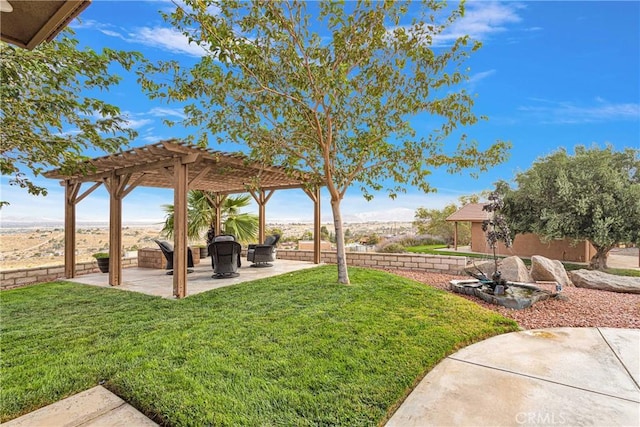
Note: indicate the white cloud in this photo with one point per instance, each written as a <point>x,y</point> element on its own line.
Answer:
<point>478,77</point>
<point>164,112</point>
<point>167,39</point>
<point>565,112</point>
<point>481,19</point>
<point>138,123</point>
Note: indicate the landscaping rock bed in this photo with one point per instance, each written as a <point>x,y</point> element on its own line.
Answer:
<point>581,308</point>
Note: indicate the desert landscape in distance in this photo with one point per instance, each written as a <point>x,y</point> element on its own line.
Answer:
<point>33,246</point>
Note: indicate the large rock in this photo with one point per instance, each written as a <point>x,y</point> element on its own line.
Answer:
<point>486,267</point>
<point>548,270</point>
<point>593,279</point>
<point>513,269</point>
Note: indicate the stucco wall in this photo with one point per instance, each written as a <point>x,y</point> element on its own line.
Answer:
<point>527,245</point>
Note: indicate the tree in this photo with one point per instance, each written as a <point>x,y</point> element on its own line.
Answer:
<point>592,195</point>
<point>335,104</point>
<point>496,228</point>
<point>433,221</point>
<point>201,215</point>
<point>46,118</point>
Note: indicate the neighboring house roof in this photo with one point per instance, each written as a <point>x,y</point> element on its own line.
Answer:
<point>471,212</point>
<point>29,23</point>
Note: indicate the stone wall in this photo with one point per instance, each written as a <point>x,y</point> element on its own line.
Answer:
<point>153,258</point>
<point>435,263</point>
<point>24,276</point>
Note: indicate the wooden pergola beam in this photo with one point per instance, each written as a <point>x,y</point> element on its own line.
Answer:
<point>115,230</point>
<point>261,197</point>
<point>181,175</point>
<point>71,200</point>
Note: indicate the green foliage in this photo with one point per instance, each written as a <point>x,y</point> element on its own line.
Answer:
<point>592,195</point>
<point>391,248</point>
<point>373,239</point>
<point>293,350</point>
<point>47,120</point>
<point>433,221</point>
<point>338,105</point>
<point>201,215</point>
<point>99,255</point>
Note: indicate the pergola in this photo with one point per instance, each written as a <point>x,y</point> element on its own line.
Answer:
<point>29,23</point>
<point>182,167</point>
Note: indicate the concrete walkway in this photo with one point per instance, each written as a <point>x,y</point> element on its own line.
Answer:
<point>96,407</point>
<point>561,376</point>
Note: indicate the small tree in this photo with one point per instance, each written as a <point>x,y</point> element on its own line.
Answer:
<point>46,118</point>
<point>335,103</point>
<point>496,228</point>
<point>592,195</point>
<point>434,221</point>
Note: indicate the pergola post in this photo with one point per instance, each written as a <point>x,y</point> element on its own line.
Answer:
<point>115,230</point>
<point>216,202</point>
<point>315,197</point>
<point>70,193</point>
<point>261,199</point>
<point>180,180</point>
<point>219,200</point>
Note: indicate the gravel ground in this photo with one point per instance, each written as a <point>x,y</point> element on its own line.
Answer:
<point>583,307</point>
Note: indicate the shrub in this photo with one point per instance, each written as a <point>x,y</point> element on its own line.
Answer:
<point>391,248</point>
<point>99,255</point>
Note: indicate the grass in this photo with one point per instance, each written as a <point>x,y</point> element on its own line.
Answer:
<point>296,349</point>
<point>434,250</point>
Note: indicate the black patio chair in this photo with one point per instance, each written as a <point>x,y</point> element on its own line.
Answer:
<point>263,255</point>
<point>225,258</point>
<point>167,250</point>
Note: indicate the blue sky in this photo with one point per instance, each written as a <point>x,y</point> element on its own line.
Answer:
<point>549,75</point>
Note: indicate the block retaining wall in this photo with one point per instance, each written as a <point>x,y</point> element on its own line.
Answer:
<point>152,258</point>
<point>26,276</point>
<point>435,263</point>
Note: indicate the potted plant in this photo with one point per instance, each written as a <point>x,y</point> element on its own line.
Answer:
<point>103,261</point>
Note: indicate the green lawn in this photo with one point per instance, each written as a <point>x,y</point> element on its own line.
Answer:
<point>296,349</point>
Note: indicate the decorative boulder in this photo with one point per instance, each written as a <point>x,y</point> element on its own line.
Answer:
<point>545,269</point>
<point>593,279</point>
<point>513,269</point>
<point>486,267</point>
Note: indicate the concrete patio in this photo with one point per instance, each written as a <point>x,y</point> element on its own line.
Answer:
<point>156,282</point>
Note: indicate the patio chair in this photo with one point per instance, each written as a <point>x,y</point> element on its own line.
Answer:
<point>222,238</point>
<point>225,257</point>
<point>167,250</point>
<point>262,255</point>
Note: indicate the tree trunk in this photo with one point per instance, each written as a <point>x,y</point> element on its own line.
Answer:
<point>343,273</point>
<point>599,260</point>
